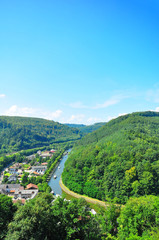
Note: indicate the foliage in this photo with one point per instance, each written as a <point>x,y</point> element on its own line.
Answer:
<point>6,213</point>
<point>139,218</point>
<point>75,220</point>
<point>34,220</point>
<point>46,219</point>
<point>119,160</point>
<point>17,133</point>
<point>87,128</point>
<point>41,218</point>
<point>107,218</point>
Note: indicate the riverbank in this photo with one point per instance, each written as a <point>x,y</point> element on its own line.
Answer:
<point>57,170</point>
<point>76,195</point>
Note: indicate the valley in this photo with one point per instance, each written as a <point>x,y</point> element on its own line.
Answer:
<point>114,168</point>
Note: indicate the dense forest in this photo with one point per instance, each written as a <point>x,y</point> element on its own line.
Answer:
<point>17,133</point>
<point>44,218</point>
<point>87,128</point>
<point>118,161</point>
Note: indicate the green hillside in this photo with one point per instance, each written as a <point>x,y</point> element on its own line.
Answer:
<point>17,133</point>
<point>87,128</point>
<point>117,161</point>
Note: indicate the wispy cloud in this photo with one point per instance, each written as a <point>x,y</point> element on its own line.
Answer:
<point>53,115</point>
<point>77,105</point>
<point>156,110</point>
<point>2,95</point>
<point>32,112</point>
<point>153,95</point>
<point>79,118</point>
<point>112,101</point>
<point>93,120</point>
<point>19,111</point>
<point>120,114</point>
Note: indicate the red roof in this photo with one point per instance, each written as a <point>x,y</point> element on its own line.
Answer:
<point>52,151</point>
<point>45,163</point>
<point>20,200</point>
<point>36,173</point>
<point>31,186</point>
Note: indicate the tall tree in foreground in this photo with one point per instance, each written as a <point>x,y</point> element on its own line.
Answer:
<point>34,220</point>
<point>6,213</point>
<point>44,219</point>
<point>75,220</point>
<point>139,219</point>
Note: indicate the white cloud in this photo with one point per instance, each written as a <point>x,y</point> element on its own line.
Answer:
<point>156,110</point>
<point>77,105</point>
<point>32,112</point>
<point>2,95</point>
<point>17,111</point>
<point>112,101</point>
<point>119,115</point>
<point>53,115</point>
<point>93,120</point>
<point>76,118</point>
<point>153,95</point>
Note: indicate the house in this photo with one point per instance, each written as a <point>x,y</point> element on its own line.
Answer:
<point>13,170</point>
<point>18,191</point>
<point>35,173</point>
<point>39,169</point>
<point>45,154</point>
<point>31,186</point>
<point>52,151</point>
<point>44,164</point>
<point>22,201</point>
<point>39,152</point>
<point>9,189</point>
<point>19,194</point>
<point>31,157</point>
<point>20,172</point>
<point>12,178</point>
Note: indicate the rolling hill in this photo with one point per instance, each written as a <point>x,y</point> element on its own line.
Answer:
<point>117,161</point>
<point>17,133</point>
<point>87,128</point>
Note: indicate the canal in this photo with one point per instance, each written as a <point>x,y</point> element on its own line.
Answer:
<point>55,186</point>
<point>54,183</point>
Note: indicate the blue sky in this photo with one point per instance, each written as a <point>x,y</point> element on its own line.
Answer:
<point>78,61</point>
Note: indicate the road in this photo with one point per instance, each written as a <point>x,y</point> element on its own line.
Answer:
<point>76,195</point>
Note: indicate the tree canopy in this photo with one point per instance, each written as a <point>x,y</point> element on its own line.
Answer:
<point>45,219</point>
<point>7,210</point>
<point>17,133</point>
<point>117,161</point>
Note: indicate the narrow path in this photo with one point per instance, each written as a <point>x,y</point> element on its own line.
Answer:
<point>76,195</point>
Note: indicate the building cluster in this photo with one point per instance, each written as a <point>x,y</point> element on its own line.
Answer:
<point>15,171</point>
<point>44,155</point>
<point>17,192</point>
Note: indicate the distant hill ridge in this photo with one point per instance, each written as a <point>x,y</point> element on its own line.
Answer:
<point>17,133</point>
<point>87,128</point>
<point>119,160</point>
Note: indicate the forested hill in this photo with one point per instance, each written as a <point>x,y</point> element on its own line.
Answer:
<point>18,133</point>
<point>87,128</point>
<point>117,161</point>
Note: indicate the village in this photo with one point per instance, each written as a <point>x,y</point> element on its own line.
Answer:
<point>14,177</point>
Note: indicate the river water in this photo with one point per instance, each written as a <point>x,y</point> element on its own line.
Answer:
<point>54,183</point>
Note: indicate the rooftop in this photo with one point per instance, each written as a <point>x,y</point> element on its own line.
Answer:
<point>32,186</point>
